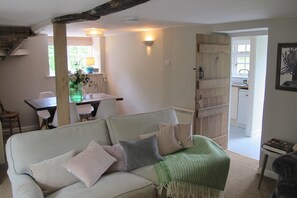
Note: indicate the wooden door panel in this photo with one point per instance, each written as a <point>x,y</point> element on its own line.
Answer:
<point>210,62</point>
<point>212,91</point>
<point>215,92</point>
<point>213,127</point>
<point>211,48</point>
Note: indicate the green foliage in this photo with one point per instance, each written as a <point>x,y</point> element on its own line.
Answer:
<point>76,57</point>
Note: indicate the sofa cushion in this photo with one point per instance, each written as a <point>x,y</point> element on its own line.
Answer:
<point>117,152</point>
<point>118,184</point>
<point>148,172</point>
<point>183,133</point>
<point>50,174</point>
<point>166,140</point>
<point>141,153</point>
<point>90,164</point>
<point>129,127</point>
<point>33,147</point>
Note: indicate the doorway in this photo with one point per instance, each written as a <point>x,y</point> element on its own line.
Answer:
<point>248,67</point>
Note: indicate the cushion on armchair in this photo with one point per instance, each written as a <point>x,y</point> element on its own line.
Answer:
<point>286,168</point>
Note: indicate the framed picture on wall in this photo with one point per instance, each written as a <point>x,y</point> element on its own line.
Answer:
<point>286,69</point>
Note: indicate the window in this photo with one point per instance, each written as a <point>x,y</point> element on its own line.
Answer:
<point>77,50</point>
<point>241,57</point>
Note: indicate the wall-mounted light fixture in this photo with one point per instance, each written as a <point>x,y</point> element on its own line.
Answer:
<point>94,32</point>
<point>148,43</point>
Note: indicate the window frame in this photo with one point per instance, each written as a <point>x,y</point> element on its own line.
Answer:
<point>237,54</point>
<point>71,42</point>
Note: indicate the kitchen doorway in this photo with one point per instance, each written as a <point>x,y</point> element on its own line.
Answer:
<point>248,66</point>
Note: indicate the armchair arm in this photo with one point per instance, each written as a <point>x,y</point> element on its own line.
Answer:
<point>286,166</point>
<point>23,186</point>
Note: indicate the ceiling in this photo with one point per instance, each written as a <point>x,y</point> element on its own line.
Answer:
<point>152,14</point>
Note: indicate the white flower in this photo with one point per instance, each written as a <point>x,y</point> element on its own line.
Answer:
<point>73,78</point>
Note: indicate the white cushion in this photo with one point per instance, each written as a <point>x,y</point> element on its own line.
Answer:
<point>90,164</point>
<point>183,133</point>
<point>166,140</point>
<point>50,174</point>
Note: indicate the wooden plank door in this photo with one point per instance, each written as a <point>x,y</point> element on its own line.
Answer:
<point>212,87</point>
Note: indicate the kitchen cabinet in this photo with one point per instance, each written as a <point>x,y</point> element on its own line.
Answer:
<point>243,96</point>
<point>234,102</point>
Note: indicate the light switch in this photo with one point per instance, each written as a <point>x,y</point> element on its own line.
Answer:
<point>167,62</point>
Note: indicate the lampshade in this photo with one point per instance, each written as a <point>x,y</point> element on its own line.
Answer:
<point>94,32</point>
<point>90,61</point>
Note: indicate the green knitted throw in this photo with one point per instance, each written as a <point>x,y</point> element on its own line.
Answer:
<point>204,166</point>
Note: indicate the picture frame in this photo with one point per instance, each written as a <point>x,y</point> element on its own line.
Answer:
<point>286,69</point>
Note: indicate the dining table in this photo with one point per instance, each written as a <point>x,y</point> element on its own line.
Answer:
<point>50,103</point>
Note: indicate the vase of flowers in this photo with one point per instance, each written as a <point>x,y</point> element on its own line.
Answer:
<point>76,82</point>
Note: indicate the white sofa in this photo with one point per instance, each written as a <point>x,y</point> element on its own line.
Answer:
<point>33,147</point>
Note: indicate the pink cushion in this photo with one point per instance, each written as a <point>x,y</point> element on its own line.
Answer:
<point>117,152</point>
<point>90,164</point>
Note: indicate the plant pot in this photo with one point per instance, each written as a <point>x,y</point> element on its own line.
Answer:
<point>75,92</point>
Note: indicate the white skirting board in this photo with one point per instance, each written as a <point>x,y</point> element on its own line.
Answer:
<point>268,173</point>
<point>24,129</point>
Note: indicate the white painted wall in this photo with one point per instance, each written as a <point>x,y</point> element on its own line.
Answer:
<point>144,81</point>
<point>280,107</point>
<point>23,77</point>
<point>259,83</point>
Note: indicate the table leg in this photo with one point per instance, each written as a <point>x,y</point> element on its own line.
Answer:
<point>263,169</point>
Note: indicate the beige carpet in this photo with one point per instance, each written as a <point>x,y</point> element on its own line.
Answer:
<point>5,189</point>
<point>242,180</point>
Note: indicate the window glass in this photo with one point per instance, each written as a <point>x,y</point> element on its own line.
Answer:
<point>248,48</point>
<point>247,59</point>
<point>51,60</point>
<point>76,57</point>
<point>241,48</point>
<point>241,57</point>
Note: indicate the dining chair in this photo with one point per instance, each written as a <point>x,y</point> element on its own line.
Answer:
<point>10,117</point>
<point>84,110</point>
<point>74,116</point>
<point>44,115</point>
<point>106,108</point>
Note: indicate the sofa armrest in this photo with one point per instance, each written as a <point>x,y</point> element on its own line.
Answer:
<point>23,186</point>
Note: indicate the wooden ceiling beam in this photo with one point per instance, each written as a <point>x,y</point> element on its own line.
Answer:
<point>18,31</point>
<point>11,37</point>
<point>110,7</point>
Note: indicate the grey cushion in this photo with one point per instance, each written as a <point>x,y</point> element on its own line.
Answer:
<point>141,152</point>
